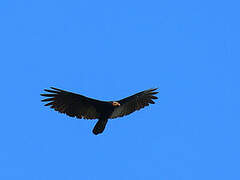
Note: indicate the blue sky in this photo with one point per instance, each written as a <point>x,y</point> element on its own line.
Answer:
<point>109,50</point>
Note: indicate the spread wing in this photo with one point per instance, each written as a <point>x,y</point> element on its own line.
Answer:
<point>134,103</point>
<point>74,105</point>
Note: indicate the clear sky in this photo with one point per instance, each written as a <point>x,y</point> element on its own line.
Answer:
<point>109,50</point>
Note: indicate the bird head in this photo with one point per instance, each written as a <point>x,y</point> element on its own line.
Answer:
<point>115,103</point>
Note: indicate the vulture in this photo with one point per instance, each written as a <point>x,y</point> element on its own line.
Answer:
<point>79,106</point>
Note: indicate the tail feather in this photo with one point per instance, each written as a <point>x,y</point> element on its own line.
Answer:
<point>100,126</point>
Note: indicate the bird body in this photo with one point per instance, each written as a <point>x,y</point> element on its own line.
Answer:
<point>76,105</point>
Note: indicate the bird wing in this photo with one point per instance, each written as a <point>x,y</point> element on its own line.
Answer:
<point>134,103</point>
<point>74,105</point>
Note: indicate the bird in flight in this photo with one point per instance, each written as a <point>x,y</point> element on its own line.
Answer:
<point>79,106</point>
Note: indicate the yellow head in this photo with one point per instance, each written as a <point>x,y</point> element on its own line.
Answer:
<point>114,103</point>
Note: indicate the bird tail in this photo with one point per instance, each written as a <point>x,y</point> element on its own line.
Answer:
<point>100,126</point>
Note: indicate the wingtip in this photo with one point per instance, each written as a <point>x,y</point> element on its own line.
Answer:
<point>47,90</point>
<point>153,90</point>
<point>56,89</point>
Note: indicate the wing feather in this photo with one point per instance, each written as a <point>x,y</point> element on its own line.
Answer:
<point>135,102</point>
<point>74,105</point>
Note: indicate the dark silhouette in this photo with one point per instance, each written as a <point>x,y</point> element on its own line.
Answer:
<point>76,105</point>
